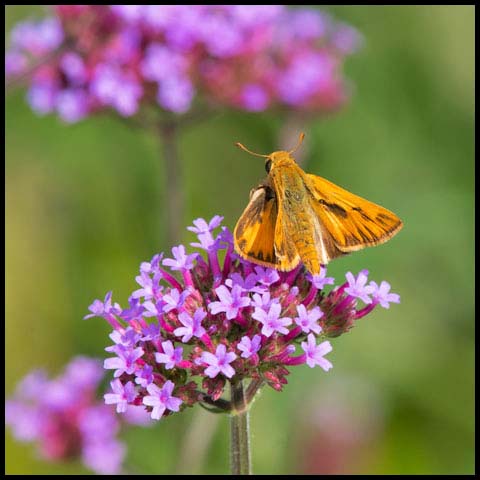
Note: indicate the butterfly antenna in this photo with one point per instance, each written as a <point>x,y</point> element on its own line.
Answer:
<point>239,145</point>
<point>300,140</point>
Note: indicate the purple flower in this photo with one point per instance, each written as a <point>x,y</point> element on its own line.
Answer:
<point>65,419</point>
<point>73,66</point>
<point>176,94</point>
<point>266,276</point>
<point>129,13</point>
<point>174,300</point>
<point>319,281</point>
<point>153,309</point>
<point>104,457</point>
<point>72,105</point>
<point>358,288</point>
<point>254,98</point>
<point>204,232</point>
<point>127,338</point>
<point>238,319</point>
<point>180,260</point>
<point>116,89</point>
<point>346,39</point>
<point>121,396</point>
<point>96,424</point>
<point>32,385</point>
<point>135,311</point>
<point>144,377</point>
<point>247,284</point>
<point>192,327</point>
<point>162,399</point>
<point>161,63</point>
<point>101,309</point>
<point>307,74</point>
<point>201,227</point>
<point>382,296</point>
<point>230,301</point>
<point>41,98</point>
<point>242,56</point>
<point>218,362</point>
<point>307,319</point>
<point>171,356</point>
<point>307,24</point>
<point>150,287</point>
<point>261,301</point>
<point>37,38</point>
<point>125,362</point>
<point>25,421</point>
<point>83,373</point>
<point>151,332</point>
<point>15,63</point>
<point>271,321</point>
<point>249,346</point>
<point>314,353</point>
<point>152,266</point>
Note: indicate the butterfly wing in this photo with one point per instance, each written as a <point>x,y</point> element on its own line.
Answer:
<point>352,222</point>
<point>254,234</point>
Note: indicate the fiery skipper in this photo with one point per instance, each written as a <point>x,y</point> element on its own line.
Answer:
<point>294,216</point>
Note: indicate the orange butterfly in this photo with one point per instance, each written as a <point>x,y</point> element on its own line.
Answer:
<point>293,216</point>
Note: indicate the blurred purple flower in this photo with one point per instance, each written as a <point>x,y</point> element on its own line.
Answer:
<point>64,418</point>
<point>250,57</point>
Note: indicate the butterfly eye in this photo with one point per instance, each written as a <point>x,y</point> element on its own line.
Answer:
<point>268,165</point>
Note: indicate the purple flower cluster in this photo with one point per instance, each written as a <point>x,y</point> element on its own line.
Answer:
<point>65,418</point>
<point>198,322</point>
<point>88,58</point>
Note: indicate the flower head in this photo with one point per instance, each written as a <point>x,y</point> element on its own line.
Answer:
<point>199,323</point>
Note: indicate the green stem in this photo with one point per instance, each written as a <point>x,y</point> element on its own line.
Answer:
<point>239,432</point>
<point>174,200</point>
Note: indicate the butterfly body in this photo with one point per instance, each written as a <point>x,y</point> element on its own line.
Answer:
<point>293,216</point>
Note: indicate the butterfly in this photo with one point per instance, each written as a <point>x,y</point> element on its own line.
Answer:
<point>294,217</point>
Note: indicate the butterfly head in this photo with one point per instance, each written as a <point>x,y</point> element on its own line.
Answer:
<point>275,159</point>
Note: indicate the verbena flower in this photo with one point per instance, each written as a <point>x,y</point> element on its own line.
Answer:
<point>92,58</point>
<point>225,321</point>
<point>64,417</point>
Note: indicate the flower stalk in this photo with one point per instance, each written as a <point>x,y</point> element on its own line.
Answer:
<point>240,461</point>
<point>174,200</point>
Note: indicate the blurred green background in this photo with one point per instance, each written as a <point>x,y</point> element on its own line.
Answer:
<point>84,208</point>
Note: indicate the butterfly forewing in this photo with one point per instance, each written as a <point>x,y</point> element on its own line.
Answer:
<point>254,234</point>
<point>351,221</point>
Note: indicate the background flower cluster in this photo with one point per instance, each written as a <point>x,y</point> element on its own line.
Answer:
<point>87,58</point>
<point>66,420</point>
<point>195,324</point>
